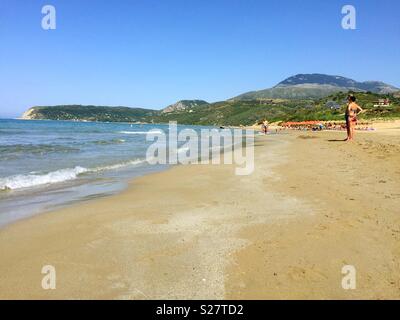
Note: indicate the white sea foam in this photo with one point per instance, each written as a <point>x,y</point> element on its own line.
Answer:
<point>30,180</point>
<point>33,180</point>
<point>118,165</point>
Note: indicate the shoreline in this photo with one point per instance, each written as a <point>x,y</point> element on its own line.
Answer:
<point>201,232</point>
<point>74,192</point>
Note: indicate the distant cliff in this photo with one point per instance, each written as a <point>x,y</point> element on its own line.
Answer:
<point>184,105</point>
<point>29,114</point>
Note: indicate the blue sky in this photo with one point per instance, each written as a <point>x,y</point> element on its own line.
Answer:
<point>151,53</point>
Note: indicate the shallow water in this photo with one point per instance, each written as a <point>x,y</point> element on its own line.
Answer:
<point>48,164</point>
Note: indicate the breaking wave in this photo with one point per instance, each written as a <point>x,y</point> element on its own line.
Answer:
<point>33,180</point>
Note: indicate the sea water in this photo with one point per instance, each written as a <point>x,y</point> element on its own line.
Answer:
<point>48,164</point>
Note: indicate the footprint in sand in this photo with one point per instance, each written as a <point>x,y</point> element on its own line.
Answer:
<point>297,273</point>
<point>322,227</point>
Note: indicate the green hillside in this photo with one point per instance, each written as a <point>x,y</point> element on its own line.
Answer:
<point>89,113</point>
<point>229,113</point>
<point>233,113</point>
<point>292,92</point>
<point>248,112</point>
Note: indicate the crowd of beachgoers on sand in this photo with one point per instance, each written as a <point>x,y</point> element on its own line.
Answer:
<point>317,126</point>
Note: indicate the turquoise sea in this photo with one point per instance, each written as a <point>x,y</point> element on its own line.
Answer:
<point>48,164</point>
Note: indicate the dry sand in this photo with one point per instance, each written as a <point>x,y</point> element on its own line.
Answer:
<point>313,205</point>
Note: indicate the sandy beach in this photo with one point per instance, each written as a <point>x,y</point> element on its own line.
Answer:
<point>313,205</point>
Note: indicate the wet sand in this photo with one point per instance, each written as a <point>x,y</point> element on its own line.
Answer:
<point>313,204</point>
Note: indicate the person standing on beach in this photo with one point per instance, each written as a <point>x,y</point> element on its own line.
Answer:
<point>266,125</point>
<point>352,110</point>
<point>263,127</point>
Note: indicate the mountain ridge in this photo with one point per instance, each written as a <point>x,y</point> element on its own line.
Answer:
<point>316,86</point>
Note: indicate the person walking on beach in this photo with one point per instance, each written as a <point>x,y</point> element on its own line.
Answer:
<point>352,110</point>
